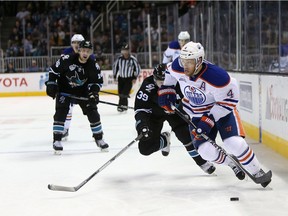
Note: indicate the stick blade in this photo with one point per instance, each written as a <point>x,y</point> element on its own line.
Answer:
<point>265,178</point>
<point>61,188</point>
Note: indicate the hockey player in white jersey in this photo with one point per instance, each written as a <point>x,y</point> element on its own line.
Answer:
<point>174,47</point>
<point>210,96</point>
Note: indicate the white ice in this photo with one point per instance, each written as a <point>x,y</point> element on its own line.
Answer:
<point>132,185</point>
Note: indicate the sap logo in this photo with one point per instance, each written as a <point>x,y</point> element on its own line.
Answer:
<point>195,95</point>
<point>13,82</point>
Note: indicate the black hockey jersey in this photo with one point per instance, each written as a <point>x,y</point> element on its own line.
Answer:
<point>74,77</point>
<point>146,101</point>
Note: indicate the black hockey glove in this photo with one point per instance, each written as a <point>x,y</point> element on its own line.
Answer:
<point>146,132</point>
<point>51,88</point>
<point>93,98</point>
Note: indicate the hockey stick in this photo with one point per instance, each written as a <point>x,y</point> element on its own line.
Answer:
<point>121,95</point>
<point>86,99</point>
<point>76,188</point>
<point>259,180</point>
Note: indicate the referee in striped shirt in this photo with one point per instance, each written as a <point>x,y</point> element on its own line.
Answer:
<point>126,68</point>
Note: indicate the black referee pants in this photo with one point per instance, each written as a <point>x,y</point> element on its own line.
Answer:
<point>124,88</point>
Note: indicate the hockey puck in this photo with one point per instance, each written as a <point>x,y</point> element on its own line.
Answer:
<point>234,199</point>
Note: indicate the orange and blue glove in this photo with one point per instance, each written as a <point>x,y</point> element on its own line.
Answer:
<point>205,125</point>
<point>166,97</point>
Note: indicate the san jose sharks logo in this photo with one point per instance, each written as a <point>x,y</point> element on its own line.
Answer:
<point>195,95</point>
<point>76,76</point>
<point>149,87</point>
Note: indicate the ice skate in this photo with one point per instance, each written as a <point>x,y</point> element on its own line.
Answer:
<point>102,145</point>
<point>237,170</point>
<point>120,109</point>
<point>65,135</point>
<point>57,146</point>
<point>166,150</point>
<point>260,174</point>
<point>208,167</point>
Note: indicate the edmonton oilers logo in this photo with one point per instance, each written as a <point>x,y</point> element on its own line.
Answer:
<point>195,95</point>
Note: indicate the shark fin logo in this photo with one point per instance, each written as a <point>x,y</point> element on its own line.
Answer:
<point>76,76</point>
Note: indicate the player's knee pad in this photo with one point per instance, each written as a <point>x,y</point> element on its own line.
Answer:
<point>144,148</point>
<point>235,145</point>
<point>60,114</point>
<point>93,115</point>
<point>208,151</point>
<point>182,133</point>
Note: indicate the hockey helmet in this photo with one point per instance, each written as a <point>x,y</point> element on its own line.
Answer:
<point>184,35</point>
<point>77,37</point>
<point>85,44</point>
<point>159,72</point>
<point>125,47</point>
<point>193,50</point>
<point>183,38</point>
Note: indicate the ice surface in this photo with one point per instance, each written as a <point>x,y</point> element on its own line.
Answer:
<point>133,185</point>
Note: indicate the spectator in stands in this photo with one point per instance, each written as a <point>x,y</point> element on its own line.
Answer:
<point>118,43</point>
<point>106,64</point>
<point>22,14</point>
<point>10,68</point>
<point>48,65</point>
<point>33,67</point>
<point>14,37</point>
<point>28,46</point>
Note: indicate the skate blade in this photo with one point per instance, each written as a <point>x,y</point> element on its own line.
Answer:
<point>57,152</point>
<point>104,150</point>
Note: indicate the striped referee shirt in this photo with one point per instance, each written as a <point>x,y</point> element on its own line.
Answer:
<point>126,68</point>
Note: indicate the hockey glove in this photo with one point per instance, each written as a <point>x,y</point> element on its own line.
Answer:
<point>146,132</point>
<point>166,97</point>
<point>205,125</point>
<point>93,98</point>
<point>51,88</point>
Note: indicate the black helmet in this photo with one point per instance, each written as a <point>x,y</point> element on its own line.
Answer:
<point>85,44</point>
<point>159,72</point>
<point>125,47</point>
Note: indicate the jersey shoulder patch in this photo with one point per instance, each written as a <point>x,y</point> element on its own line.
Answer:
<point>174,45</point>
<point>68,51</point>
<point>216,76</point>
<point>176,66</point>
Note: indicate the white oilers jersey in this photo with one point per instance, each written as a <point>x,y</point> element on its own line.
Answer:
<point>172,52</point>
<point>211,91</point>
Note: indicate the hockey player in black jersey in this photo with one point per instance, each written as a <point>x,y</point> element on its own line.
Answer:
<point>150,118</point>
<point>80,76</point>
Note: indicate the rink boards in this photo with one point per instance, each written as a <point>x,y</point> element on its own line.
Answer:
<point>263,103</point>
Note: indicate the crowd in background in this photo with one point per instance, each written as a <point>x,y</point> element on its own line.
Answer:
<point>51,24</point>
<point>39,18</point>
<point>54,17</point>
<point>40,25</point>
